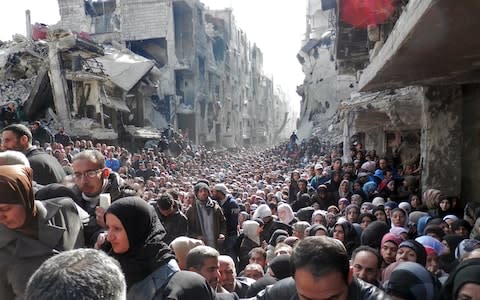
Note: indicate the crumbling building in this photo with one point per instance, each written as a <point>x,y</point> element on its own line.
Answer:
<point>125,69</point>
<point>417,73</point>
<point>210,80</point>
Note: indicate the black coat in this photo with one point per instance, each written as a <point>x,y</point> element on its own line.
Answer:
<point>46,168</point>
<point>285,289</point>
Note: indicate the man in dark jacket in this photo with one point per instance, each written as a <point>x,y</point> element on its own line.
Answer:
<point>46,168</point>
<point>230,210</point>
<point>62,138</point>
<point>41,133</point>
<point>92,178</point>
<point>321,271</point>
<point>174,221</point>
<point>206,221</point>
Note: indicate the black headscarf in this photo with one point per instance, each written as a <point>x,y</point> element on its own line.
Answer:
<point>186,285</point>
<point>467,271</point>
<point>418,248</point>
<point>373,234</point>
<point>147,251</point>
<point>410,280</point>
<point>281,266</point>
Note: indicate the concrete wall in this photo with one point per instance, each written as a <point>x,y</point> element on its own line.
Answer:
<point>471,143</point>
<point>442,139</point>
<point>144,19</point>
<point>323,88</point>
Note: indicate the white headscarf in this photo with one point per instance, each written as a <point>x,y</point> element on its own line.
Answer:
<point>250,229</point>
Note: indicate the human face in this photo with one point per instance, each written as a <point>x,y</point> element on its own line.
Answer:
<point>257,258</point>
<point>444,205</point>
<point>338,233</point>
<point>89,186</point>
<point>11,142</point>
<point>116,234</point>
<point>433,263</point>
<point>365,222</point>
<point>406,254</point>
<point>202,195</point>
<point>415,202</point>
<point>328,286</point>
<point>12,216</point>
<point>352,215</point>
<point>210,271</point>
<point>388,252</point>
<point>382,164</point>
<point>301,185</point>
<point>381,216</point>
<point>398,218</point>
<point>227,276</point>
<point>469,291</point>
<point>365,266</point>
<point>253,273</point>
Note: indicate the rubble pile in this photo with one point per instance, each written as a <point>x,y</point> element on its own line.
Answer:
<point>16,90</point>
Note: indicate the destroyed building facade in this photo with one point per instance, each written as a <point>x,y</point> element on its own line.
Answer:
<point>416,86</point>
<point>206,79</point>
<point>125,69</point>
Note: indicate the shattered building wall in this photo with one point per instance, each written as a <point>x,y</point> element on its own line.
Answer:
<point>207,79</point>
<point>322,89</point>
<point>400,54</point>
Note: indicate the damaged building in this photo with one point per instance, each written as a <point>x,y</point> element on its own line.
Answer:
<point>415,84</point>
<point>207,77</point>
<point>125,69</point>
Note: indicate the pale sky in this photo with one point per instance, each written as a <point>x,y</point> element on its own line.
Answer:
<point>276,26</point>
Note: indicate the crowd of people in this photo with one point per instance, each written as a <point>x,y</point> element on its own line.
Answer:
<point>236,224</point>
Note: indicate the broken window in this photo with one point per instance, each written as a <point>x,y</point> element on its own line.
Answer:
<point>154,49</point>
<point>95,8</point>
<point>218,46</point>
<point>102,13</point>
<point>201,67</point>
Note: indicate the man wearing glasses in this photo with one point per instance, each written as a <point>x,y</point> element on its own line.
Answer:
<point>91,179</point>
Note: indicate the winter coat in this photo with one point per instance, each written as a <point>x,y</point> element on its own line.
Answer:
<point>357,290</point>
<point>219,222</point>
<point>59,229</point>
<point>46,168</point>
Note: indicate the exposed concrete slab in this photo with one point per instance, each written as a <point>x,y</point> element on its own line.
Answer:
<point>433,43</point>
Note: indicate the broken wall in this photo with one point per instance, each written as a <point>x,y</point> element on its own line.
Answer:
<point>442,139</point>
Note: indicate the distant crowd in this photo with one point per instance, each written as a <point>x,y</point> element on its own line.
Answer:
<point>295,221</point>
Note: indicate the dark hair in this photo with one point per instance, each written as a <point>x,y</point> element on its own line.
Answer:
<point>19,130</point>
<point>258,250</point>
<point>370,250</point>
<point>91,155</point>
<point>196,257</point>
<point>165,201</point>
<point>321,255</point>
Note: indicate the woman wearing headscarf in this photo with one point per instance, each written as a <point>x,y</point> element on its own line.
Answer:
<point>181,246</point>
<point>346,233</point>
<point>464,281</point>
<point>411,250</point>
<point>344,190</point>
<point>135,239</point>
<point>448,261</point>
<point>31,231</point>
<point>410,280</point>
<point>352,212</point>
<point>251,239</point>
<point>285,214</point>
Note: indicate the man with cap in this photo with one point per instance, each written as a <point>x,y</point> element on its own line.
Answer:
<point>230,210</point>
<point>319,178</point>
<point>206,221</point>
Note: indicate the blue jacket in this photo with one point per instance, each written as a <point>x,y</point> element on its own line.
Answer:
<point>230,211</point>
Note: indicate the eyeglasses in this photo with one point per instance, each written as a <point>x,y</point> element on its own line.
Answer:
<point>87,174</point>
